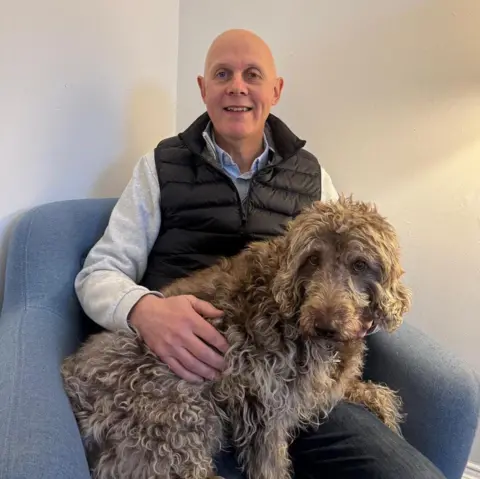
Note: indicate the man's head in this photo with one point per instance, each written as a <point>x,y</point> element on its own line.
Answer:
<point>240,85</point>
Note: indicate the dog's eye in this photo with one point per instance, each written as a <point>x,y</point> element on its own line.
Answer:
<point>314,259</point>
<point>359,266</point>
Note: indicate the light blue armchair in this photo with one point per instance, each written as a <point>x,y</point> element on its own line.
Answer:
<point>41,322</point>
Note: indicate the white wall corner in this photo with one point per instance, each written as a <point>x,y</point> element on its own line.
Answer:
<point>472,471</point>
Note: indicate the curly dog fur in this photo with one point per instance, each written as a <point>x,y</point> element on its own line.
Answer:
<point>296,309</point>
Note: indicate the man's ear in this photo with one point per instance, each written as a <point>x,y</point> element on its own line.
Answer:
<point>201,85</point>
<point>277,90</point>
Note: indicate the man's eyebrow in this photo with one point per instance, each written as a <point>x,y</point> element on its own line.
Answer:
<point>216,66</point>
<point>226,66</point>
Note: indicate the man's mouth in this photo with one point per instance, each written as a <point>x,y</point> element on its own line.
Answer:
<point>237,109</point>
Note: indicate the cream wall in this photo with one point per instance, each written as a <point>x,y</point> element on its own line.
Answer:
<point>86,87</point>
<point>387,94</point>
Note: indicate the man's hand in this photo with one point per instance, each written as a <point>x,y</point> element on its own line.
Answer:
<point>175,330</point>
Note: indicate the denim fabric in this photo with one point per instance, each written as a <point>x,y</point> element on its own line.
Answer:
<point>41,322</point>
<point>441,394</point>
<point>354,444</point>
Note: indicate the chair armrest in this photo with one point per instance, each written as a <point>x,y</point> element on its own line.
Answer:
<point>42,322</point>
<point>39,436</point>
<point>440,394</point>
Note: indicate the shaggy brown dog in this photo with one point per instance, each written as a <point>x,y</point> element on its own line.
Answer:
<point>296,311</point>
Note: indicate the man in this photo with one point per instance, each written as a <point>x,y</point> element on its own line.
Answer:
<point>236,174</point>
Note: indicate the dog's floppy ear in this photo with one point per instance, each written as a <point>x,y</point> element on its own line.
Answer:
<point>286,287</point>
<point>298,240</point>
<point>391,302</point>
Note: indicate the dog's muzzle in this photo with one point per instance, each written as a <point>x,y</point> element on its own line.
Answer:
<point>340,323</point>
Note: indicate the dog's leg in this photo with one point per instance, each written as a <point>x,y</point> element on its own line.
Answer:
<point>380,400</point>
<point>176,451</point>
<point>147,438</point>
<point>265,454</point>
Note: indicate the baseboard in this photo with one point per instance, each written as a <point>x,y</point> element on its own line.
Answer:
<point>472,471</point>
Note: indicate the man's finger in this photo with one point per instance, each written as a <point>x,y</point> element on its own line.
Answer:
<point>181,372</point>
<point>205,353</point>
<point>205,308</point>
<point>194,365</point>
<point>205,331</point>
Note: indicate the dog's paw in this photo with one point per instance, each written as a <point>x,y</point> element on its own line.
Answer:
<point>387,406</point>
<point>381,401</point>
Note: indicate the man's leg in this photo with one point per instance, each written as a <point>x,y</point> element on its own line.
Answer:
<point>354,444</point>
<point>440,394</point>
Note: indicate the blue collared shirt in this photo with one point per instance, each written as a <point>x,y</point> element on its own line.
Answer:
<point>241,180</point>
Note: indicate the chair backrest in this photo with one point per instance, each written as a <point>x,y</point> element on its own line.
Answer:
<point>47,248</point>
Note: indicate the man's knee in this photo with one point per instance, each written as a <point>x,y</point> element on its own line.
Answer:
<point>355,444</point>
<point>406,463</point>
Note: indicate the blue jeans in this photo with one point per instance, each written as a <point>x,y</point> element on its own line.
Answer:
<point>41,322</point>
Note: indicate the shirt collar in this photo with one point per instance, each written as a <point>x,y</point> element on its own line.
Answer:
<point>225,160</point>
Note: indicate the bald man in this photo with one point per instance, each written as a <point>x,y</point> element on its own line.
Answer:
<point>236,174</point>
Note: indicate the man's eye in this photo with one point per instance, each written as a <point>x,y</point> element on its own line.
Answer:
<point>221,74</point>
<point>253,75</point>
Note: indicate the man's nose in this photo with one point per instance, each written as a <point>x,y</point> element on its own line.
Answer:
<point>237,85</point>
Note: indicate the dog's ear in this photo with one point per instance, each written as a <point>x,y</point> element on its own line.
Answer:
<point>286,287</point>
<point>390,303</point>
<point>298,240</point>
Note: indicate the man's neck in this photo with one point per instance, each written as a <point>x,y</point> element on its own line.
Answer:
<point>243,152</point>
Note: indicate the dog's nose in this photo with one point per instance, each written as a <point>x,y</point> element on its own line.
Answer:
<point>329,315</point>
<point>325,332</point>
<point>324,323</point>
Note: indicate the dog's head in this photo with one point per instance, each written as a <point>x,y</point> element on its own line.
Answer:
<point>341,271</point>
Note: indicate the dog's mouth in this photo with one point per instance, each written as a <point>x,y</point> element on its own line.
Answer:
<point>338,323</point>
<point>345,335</point>
<point>329,336</point>
<point>372,329</point>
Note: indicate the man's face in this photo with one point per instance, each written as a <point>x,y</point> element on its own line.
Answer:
<point>240,86</point>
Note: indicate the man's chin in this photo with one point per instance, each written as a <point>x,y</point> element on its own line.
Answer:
<point>235,132</point>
